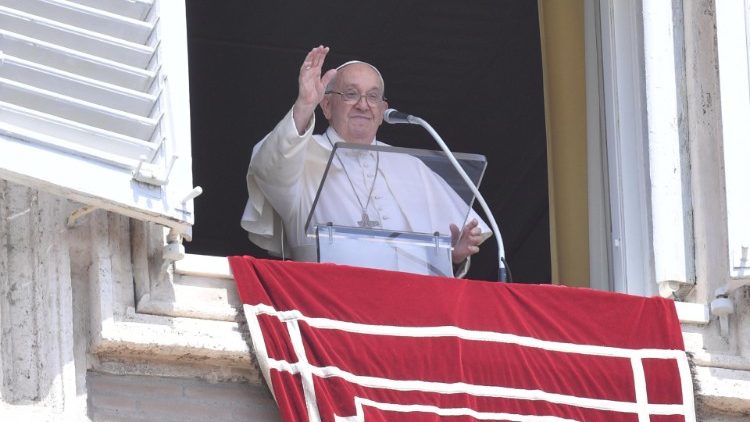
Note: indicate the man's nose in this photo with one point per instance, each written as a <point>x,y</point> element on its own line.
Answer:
<point>362,102</point>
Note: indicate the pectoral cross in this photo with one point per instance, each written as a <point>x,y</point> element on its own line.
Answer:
<point>366,222</point>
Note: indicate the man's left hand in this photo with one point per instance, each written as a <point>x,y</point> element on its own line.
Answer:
<point>468,243</point>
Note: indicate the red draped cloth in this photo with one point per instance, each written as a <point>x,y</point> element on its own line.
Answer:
<point>338,343</point>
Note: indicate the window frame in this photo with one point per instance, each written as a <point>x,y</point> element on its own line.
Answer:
<point>733,45</point>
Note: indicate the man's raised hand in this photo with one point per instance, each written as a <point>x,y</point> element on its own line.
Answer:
<point>312,86</point>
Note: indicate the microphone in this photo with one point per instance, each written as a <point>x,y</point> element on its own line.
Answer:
<point>394,116</point>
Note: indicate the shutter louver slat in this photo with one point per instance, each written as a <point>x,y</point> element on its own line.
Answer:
<point>94,104</point>
<point>43,35</point>
<point>78,39</point>
<point>66,12</point>
<point>136,9</point>
<point>76,110</point>
<point>78,86</point>
<point>72,61</point>
<point>20,121</point>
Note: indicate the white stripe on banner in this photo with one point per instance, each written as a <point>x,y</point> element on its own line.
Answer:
<point>686,379</point>
<point>641,395</point>
<point>481,390</point>
<point>308,387</point>
<point>641,407</point>
<point>483,416</point>
<point>450,331</point>
<point>259,345</point>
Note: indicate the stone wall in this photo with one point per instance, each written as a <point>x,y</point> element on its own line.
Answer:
<point>115,398</point>
<point>73,343</point>
<point>37,340</point>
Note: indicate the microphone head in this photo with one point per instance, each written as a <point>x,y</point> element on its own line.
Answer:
<point>394,116</point>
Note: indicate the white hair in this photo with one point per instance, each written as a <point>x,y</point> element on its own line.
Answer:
<point>333,81</point>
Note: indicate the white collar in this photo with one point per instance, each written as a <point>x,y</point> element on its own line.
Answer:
<point>335,138</point>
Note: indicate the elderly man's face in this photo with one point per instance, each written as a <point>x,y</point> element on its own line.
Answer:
<point>358,122</point>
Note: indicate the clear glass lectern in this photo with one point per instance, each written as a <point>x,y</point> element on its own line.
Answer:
<point>391,208</point>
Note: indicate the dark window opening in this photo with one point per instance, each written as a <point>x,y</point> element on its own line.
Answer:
<point>471,69</point>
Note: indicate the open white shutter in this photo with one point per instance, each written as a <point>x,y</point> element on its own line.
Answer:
<point>733,39</point>
<point>94,104</point>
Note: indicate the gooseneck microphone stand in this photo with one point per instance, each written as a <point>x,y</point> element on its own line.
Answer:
<point>393,116</point>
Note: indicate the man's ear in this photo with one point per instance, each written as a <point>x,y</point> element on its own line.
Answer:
<point>325,105</point>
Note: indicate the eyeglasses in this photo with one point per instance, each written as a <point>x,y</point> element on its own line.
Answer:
<point>353,97</point>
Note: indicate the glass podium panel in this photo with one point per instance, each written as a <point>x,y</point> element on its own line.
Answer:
<point>385,250</point>
<point>391,208</point>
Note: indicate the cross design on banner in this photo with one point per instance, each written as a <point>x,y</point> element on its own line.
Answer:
<point>308,372</point>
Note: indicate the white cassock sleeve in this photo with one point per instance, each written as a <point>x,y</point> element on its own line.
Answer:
<point>274,182</point>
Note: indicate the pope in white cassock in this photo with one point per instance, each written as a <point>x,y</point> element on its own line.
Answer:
<point>376,190</point>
